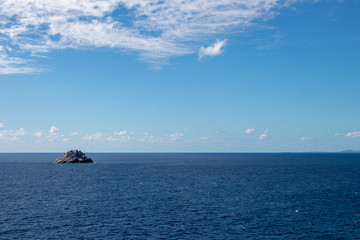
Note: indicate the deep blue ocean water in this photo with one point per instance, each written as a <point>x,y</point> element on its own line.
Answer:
<point>181,196</point>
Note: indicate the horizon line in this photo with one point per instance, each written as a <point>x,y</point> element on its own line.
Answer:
<point>344,151</point>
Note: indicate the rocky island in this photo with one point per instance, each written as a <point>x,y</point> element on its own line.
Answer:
<point>74,156</point>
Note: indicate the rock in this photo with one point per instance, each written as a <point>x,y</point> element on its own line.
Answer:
<point>74,156</point>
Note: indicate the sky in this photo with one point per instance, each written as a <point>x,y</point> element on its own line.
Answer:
<point>179,76</point>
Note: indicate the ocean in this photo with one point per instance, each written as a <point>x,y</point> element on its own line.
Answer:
<point>181,196</point>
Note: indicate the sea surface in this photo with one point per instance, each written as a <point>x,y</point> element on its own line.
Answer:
<point>181,196</point>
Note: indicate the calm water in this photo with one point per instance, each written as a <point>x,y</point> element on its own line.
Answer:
<point>181,196</point>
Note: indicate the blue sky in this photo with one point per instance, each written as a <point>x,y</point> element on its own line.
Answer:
<point>179,76</point>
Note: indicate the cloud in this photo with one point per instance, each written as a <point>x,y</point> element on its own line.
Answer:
<point>150,138</point>
<point>264,135</point>
<point>96,136</point>
<point>120,139</point>
<point>305,139</point>
<point>54,135</point>
<point>39,134</point>
<point>13,65</point>
<point>250,131</point>
<point>120,133</point>
<point>19,132</point>
<point>74,134</point>
<point>156,30</point>
<point>111,138</point>
<point>54,130</point>
<point>353,134</point>
<point>175,136</point>
<point>11,135</point>
<point>212,50</point>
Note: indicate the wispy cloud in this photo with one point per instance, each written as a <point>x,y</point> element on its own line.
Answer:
<point>156,29</point>
<point>123,132</point>
<point>13,65</point>
<point>11,135</point>
<point>120,139</point>
<point>96,136</point>
<point>212,50</point>
<point>19,132</point>
<point>264,135</point>
<point>353,134</point>
<point>175,136</point>
<point>150,138</point>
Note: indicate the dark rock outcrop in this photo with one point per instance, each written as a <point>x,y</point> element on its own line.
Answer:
<point>74,156</point>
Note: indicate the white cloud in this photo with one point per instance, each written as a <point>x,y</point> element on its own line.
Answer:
<point>14,65</point>
<point>120,133</point>
<point>1,126</point>
<point>120,139</point>
<point>11,135</point>
<point>250,130</point>
<point>353,134</point>
<point>39,133</point>
<point>337,134</point>
<point>264,135</point>
<point>111,138</point>
<point>212,50</point>
<point>155,29</point>
<point>175,136</point>
<point>74,134</point>
<point>153,139</point>
<point>54,130</point>
<point>150,138</point>
<point>54,135</point>
<point>305,139</point>
<point>19,132</point>
<point>95,136</point>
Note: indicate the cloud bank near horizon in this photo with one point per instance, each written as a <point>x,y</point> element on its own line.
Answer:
<point>153,29</point>
<point>55,138</point>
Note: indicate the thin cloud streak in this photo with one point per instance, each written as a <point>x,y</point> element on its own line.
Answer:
<point>353,134</point>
